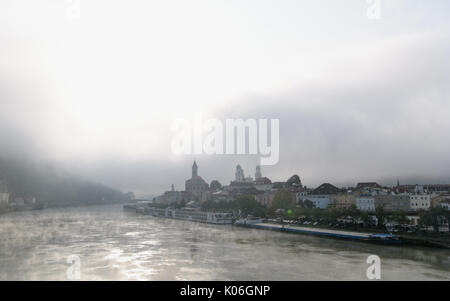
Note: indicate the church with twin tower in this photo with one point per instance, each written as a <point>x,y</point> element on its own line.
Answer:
<point>198,190</point>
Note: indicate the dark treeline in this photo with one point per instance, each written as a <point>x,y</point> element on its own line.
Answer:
<point>51,186</point>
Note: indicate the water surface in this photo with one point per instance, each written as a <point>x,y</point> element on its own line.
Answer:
<point>113,244</point>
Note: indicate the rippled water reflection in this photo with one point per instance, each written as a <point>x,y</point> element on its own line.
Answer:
<point>117,245</point>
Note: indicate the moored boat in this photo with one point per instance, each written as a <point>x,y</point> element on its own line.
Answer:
<point>257,223</point>
<point>218,218</point>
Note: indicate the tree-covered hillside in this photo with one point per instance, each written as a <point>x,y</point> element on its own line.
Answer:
<point>52,186</point>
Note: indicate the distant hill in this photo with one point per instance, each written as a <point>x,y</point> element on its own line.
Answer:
<point>53,186</point>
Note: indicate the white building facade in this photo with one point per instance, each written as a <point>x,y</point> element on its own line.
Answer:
<point>366,202</point>
<point>445,205</point>
<point>300,196</point>
<point>319,201</point>
<point>420,201</point>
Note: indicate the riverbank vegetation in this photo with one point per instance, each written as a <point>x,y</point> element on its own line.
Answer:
<point>285,209</point>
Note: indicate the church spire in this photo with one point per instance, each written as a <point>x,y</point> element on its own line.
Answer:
<point>194,169</point>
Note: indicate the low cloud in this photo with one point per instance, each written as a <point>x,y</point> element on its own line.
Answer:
<point>373,112</point>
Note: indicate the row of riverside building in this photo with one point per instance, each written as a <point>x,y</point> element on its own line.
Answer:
<point>11,202</point>
<point>4,193</point>
<point>365,196</point>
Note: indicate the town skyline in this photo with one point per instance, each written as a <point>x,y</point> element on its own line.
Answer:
<point>247,176</point>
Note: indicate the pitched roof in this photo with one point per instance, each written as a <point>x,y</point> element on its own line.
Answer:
<point>326,188</point>
<point>196,180</point>
<point>368,184</point>
<point>262,181</point>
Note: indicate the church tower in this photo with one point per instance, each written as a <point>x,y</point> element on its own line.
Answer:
<point>194,170</point>
<point>258,173</point>
<point>239,175</point>
<point>196,186</point>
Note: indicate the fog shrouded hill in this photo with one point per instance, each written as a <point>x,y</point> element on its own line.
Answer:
<point>51,186</point>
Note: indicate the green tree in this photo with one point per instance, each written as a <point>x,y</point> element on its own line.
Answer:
<point>400,217</point>
<point>318,214</point>
<point>295,179</point>
<point>248,205</point>
<point>434,217</point>
<point>332,215</point>
<point>353,212</point>
<point>308,204</point>
<point>215,185</point>
<point>364,215</point>
<point>283,200</point>
<point>381,215</point>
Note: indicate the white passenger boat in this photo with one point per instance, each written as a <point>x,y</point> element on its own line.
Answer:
<point>218,218</point>
<point>249,221</point>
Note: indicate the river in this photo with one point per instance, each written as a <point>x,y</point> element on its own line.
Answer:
<point>107,243</point>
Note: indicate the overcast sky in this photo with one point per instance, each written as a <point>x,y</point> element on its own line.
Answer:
<point>358,99</point>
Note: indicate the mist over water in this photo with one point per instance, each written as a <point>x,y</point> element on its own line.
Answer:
<point>117,245</point>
